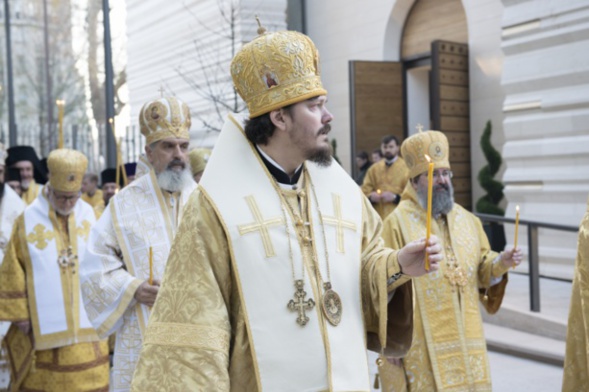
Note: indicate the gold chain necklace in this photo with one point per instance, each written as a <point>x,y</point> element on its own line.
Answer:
<point>331,303</point>
<point>298,304</point>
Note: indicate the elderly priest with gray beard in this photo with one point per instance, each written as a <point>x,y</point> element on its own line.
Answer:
<point>129,245</point>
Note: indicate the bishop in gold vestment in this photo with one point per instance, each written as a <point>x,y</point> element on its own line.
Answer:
<point>129,245</point>
<point>277,279</point>
<point>51,343</point>
<point>576,361</point>
<point>449,349</point>
<point>385,180</point>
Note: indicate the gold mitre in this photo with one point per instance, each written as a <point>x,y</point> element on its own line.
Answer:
<point>163,118</point>
<point>432,143</point>
<point>275,70</point>
<point>66,169</point>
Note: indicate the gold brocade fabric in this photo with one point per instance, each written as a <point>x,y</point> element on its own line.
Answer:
<point>99,210</point>
<point>197,339</point>
<point>13,293</point>
<point>576,361</point>
<point>56,369</point>
<point>31,194</point>
<point>94,200</point>
<point>449,348</point>
<point>79,367</point>
<point>388,179</point>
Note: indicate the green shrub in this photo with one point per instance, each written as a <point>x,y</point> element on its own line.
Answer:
<point>489,203</point>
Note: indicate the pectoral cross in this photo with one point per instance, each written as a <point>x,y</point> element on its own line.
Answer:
<point>419,128</point>
<point>299,304</point>
<point>161,90</point>
<point>339,223</point>
<point>456,275</point>
<point>67,258</point>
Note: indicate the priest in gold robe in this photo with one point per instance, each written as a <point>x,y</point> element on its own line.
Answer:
<point>90,192</point>
<point>24,158</point>
<point>278,279</point>
<point>129,245</point>
<point>51,344</point>
<point>576,360</point>
<point>385,180</point>
<point>449,349</point>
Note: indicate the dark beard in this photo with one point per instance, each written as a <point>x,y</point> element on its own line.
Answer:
<point>442,198</point>
<point>2,185</point>
<point>323,158</point>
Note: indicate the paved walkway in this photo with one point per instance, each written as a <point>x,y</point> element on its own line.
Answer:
<point>512,374</point>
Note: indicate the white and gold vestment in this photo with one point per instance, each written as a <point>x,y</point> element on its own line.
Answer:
<point>140,216</point>
<point>39,282</point>
<point>221,320</point>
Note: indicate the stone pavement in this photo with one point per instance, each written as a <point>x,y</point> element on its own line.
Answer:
<point>526,349</point>
<point>513,374</point>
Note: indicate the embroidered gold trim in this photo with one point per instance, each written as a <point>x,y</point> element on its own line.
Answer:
<point>260,225</point>
<point>187,335</point>
<point>338,221</point>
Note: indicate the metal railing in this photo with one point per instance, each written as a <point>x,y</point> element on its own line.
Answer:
<point>533,250</point>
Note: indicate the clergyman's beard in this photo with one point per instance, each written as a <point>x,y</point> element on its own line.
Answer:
<point>323,156</point>
<point>442,198</point>
<point>24,185</point>
<point>172,180</point>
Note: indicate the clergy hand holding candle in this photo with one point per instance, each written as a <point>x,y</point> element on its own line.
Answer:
<point>513,256</point>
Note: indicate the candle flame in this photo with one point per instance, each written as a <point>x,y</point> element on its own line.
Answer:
<point>517,208</point>
<point>427,157</point>
<point>378,191</point>
<point>60,102</point>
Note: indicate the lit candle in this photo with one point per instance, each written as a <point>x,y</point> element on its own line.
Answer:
<point>428,217</point>
<point>516,226</point>
<point>150,265</point>
<point>379,192</point>
<point>60,109</point>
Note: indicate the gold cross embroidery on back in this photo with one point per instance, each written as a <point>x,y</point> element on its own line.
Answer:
<point>260,225</point>
<point>40,237</point>
<point>339,223</point>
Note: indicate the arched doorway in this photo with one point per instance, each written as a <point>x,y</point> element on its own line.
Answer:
<point>428,84</point>
<point>434,53</point>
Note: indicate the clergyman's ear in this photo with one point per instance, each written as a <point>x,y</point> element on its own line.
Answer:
<point>278,119</point>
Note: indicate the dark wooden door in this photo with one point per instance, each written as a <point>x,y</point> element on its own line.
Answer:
<point>450,109</point>
<point>376,102</point>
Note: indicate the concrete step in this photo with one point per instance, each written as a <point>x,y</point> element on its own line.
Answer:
<point>524,345</point>
<point>516,318</point>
